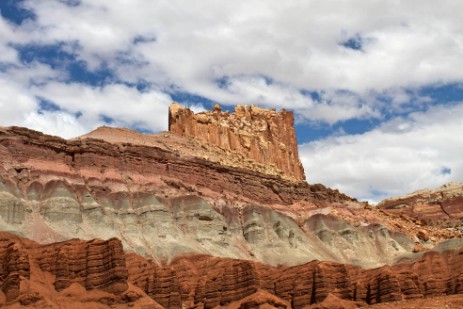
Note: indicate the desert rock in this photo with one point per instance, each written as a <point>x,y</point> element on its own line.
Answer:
<point>441,207</point>
<point>120,183</point>
<point>265,136</point>
<point>100,273</point>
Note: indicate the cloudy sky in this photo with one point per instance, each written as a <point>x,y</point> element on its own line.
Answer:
<point>376,86</point>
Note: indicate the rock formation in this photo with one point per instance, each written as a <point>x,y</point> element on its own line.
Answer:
<point>264,136</point>
<point>440,207</point>
<point>120,183</point>
<point>99,274</point>
<point>208,223</point>
<point>90,273</point>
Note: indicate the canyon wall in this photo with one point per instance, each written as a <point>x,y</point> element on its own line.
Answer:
<point>265,136</point>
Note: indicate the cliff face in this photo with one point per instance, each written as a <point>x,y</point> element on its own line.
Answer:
<point>30,272</point>
<point>264,136</point>
<point>98,274</point>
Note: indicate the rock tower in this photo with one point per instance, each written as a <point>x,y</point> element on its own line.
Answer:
<point>265,136</point>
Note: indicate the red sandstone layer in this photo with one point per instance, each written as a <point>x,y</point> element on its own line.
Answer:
<point>144,161</point>
<point>117,164</point>
<point>99,274</point>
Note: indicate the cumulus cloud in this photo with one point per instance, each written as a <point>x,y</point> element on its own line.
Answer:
<point>296,44</point>
<point>7,53</point>
<point>409,44</point>
<point>422,150</point>
<point>77,108</point>
<point>115,104</point>
<point>55,123</point>
<point>15,102</point>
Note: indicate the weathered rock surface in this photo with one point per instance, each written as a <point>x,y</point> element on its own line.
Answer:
<point>262,135</point>
<point>441,207</point>
<point>220,282</point>
<point>99,274</point>
<point>119,183</point>
<point>30,273</point>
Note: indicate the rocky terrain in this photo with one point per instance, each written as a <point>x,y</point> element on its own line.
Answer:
<point>137,191</point>
<point>215,213</point>
<point>98,274</point>
<point>439,207</point>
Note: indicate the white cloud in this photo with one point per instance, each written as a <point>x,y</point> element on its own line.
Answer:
<point>410,43</point>
<point>19,105</point>
<point>400,156</point>
<point>55,123</point>
<point>125,105</point>
<point>7,53</point>
<point>258,90</point>
<point>297,45</point>
<point>81,107</point>
<point>15,102</point>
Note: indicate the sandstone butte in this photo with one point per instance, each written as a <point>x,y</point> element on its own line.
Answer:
<point>262,135</point>
<point>214,214</point>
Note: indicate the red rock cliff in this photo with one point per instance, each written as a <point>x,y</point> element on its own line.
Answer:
<point>99,274</point>
<point>262,135</point>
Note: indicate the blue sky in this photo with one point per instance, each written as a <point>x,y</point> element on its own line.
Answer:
<point>376,86</point>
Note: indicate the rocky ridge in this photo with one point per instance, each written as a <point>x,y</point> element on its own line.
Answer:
<point>441,207</point>
<point>133,187</point>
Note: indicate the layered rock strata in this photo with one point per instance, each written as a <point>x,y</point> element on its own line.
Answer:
<point>440,207</point>
<point>95,265</point>
<point>52,190</point>
<point>120,183</point>
<point>262,135</point>
<point>29,155</point>
<point>220,282</point>
<point>99,274</point>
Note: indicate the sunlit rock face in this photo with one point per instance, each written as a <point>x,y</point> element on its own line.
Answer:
<point>164,228</point>
<point>264,136</point>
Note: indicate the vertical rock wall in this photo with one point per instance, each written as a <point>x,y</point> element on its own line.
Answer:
<point>263,135</point>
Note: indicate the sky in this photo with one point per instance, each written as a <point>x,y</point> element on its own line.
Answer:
<point>376,86</point>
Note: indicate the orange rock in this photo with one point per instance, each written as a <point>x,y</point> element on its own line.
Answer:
<point>334,302</point>
<point>262,135</point>
<point>423,235</point>
<point>122,156</point>
<point>108,276</point>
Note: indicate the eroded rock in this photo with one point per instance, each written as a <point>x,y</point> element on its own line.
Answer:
<point>442,207</point>
<point>262,135</point>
